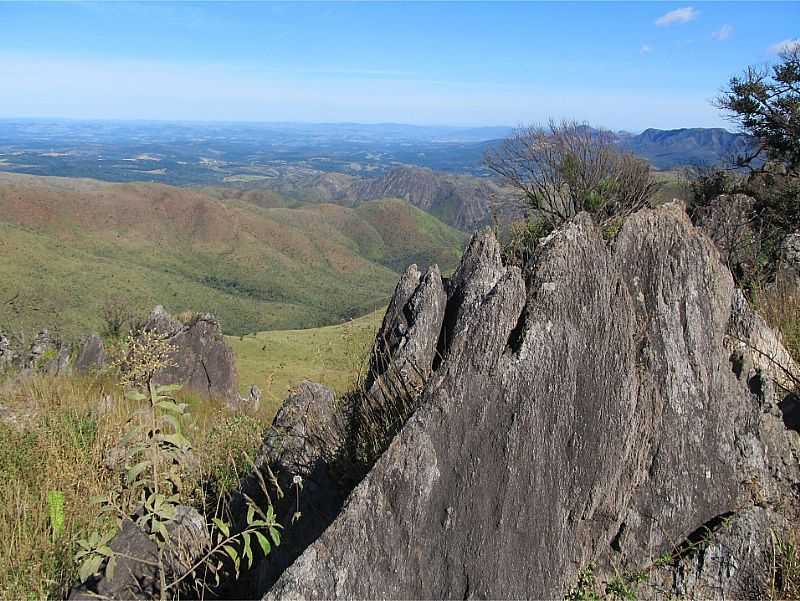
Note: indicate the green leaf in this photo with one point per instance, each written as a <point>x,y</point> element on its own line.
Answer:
<point>90,567</point>
<point>176,440</point>
<point>251,513</point>
<point>135,395</point>
<point>248,551</point>
<point>276,536</point>
<point>110,567</point>
<point>134,472</point>
<point>263,541</point>
<point>55,510</point>
<point>222,526</point>
<point>162,530</point>
<point>231,553</point>
<point>168,388</point>
<point>171,406</point>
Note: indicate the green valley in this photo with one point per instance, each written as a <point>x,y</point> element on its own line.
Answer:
<point>69,247</point>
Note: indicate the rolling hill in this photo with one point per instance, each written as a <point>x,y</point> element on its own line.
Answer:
<point>69,246</point>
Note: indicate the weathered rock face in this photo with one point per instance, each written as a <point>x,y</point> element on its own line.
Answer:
<point>205,364</point>
<point>303,443</point>
<point>91,354</point>
<point>405,347</point>
<point>597,412</point>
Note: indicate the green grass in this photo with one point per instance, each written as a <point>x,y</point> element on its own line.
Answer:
<point>61,447</point>
<point>276,361</point>
<point>70,246</point>
<point>62,443</point>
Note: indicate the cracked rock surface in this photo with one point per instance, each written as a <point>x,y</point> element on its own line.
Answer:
<point>603,410</point>
<point>205,363</point>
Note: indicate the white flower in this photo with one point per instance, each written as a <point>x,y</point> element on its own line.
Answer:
<point>297,480</point>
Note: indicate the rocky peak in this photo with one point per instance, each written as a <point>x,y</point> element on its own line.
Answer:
<point>603,412</point>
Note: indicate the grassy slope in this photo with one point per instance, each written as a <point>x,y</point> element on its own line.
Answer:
<point>64,441</point>
<point>278,360</point>
<point>68,246</point>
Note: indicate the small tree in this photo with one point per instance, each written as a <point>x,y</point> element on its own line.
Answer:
<point>765,103</point>
<point>567,167</point>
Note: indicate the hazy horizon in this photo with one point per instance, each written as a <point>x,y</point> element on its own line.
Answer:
<point>631,65</point>
<point>234,122</point>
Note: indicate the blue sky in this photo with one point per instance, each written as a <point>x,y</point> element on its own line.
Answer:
<point>620,65</point>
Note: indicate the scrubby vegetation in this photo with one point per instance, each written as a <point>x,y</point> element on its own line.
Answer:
<point>63,439</point>
<point>562,169</point>
<point>60,437</point>
<point>765,103</point>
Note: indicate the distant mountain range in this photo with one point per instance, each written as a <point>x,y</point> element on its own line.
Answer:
<point>237,153</point>
<point>667,149</point>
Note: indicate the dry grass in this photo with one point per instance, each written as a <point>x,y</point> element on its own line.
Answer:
<point>59,446</point>
<point>784,581</point>
<point>780,307</point>
<point>67,426</point>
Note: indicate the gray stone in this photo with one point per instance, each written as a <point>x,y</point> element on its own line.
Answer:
<point>6,353</point>
<point>135,575</point>
<point>303,443</point>
<point>306,432</point>
<point>406,344</point>
<point>597,414</point>
<point>61,364</point>
<point>91,354</point>
<point>205,363</point>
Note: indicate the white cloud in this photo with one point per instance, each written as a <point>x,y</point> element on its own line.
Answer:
<point>645,49</point>
<point>785,46</point>
<point>679,15</point>
<point>724,33</point>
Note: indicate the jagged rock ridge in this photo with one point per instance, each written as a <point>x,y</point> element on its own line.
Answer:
<point>603,409</point>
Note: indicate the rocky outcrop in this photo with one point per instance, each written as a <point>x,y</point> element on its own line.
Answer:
<point>405,347</point>
<point>136,575</point>
<point>91,355</point>
<point>204,362</point>
<point>602,411</point>
<point>301,451</point>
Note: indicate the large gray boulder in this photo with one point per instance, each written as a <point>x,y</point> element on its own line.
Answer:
<point>604,411</point>
<point>204,362</point>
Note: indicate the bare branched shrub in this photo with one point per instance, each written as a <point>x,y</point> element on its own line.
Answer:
<point>565,168</point>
